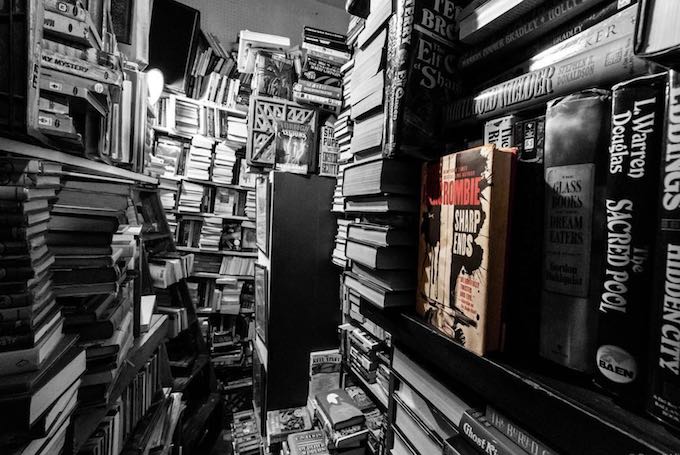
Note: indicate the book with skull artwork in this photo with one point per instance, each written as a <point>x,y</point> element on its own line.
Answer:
<point>294,147</point>
<point>465,200</point>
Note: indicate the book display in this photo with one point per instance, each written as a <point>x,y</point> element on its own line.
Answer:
<point>411,227</point>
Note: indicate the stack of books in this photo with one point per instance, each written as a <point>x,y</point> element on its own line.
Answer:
<point>245,434</point>
<point>339,258</point>
<point>235,265</point>
<point>211,72</point>
<point>211,230</point>
<point>191,197</point>
<point>382,250</point>
<point>228,295</point>
<point>375,419</point>
<point>187,117</point>
<point>207,263</point>
<point>170,267</point>
<point>341,420</point>
<point>223,164</point>
<point>168,192</point>
<point>282,422</point>
<point>84,219</point>
<point>37,358</point>
<point>199,159</point>
<point>363,352</point>
<point>320,81</point>
<point>250,205</point>
<point>344,127</point>
<point>237,129</point>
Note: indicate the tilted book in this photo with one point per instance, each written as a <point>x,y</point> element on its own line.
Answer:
<point>576,140</point>
<point>421,74</point>
<point>631,183</point>
<point>465,199</point>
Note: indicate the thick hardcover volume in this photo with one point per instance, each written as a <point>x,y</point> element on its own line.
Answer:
<point>465,200</point>
<point>663,401</point>
<point>576,136</point>
<point>549,19</point>
<point>599,66</point>
<point>631,182</point>
<point>420,75</point>
<point>485,437</point>
<point>518,435</point>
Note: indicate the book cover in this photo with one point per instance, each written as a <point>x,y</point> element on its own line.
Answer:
<point>308,443</point>
<point>294,147</point>
<point>465,199</point>
<point>282,422</point>
<point>631,182</point>
<point>483,436</point>
<point>421,75</point>
<point>500,131</point>
<point>324,371</point>
<point>518,435</point>
<point>339,409</point>
<point>663,398</point>
<point>576,140</point>
<point>274,75</point>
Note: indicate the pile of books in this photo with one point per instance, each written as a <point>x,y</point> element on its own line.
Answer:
<point>250,205</point>
<point>226,201</point>
<point>338,257</point>
<point>166,158</point>
<point>223,164</point>
<point>191,197</point>
<point>283,422</point>
<point>199,159</point>
<point>320,81</point>
<point>344,127</point>
<point>227,295</point>
<point>342,422</point>
<point>170,267</point>
<point>187,117</point>
<point>36,357</point>
<point>375,419</point>
<point>211,231</point>
<point>168,191</point>
<point>364,353</point>
<point>245,434</point>
<point>237,128</point>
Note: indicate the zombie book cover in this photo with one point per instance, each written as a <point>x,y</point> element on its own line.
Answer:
<point>465,199</point>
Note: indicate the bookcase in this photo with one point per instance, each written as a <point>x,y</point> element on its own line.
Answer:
<point>295,287</point>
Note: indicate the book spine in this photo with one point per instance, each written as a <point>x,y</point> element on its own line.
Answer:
<point>15,273</point>
<point>663,400</point>
<point>420,75</point>
<point>66,9</point>
<point>575,140</point>
<point>500,131</point>
<point>16,327</point>
<point>601,34</point>
<point>301,88</point>
<point>321,49</point>
<point>316,98</point>
<point>485,437</point>
<point>328,45</point>
<point>631,182</point>
<point>326,88</point>
<point>80,67</point>
<point>325,34</point>
<point>520,437</point>
<point>543,20</point>
<point>601,66</point>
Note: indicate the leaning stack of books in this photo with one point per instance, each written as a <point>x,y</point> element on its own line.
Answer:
<point>36,357</point>
<point>211,230</point>
<point>320,81</point>
<point>338,257</point>
<point>187,117</point>
<point>226,202</point>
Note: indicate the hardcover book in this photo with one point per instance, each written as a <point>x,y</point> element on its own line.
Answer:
<point>631,182</point>
<point>576,139</point>
<point>339,409</point>
<point>420,75</point>
<point>465,199</point>
<point>663,400</point>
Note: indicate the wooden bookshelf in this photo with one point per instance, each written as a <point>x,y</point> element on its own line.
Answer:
<point>74,161</point>
<point>86,422</point>
<point>582,420</point>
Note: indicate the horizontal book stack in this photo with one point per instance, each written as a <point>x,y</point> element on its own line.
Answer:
<point>383,192</point>
<point>191,198</point>
<point>168,268</point>
<point>199,159</point>
<point>226,202</point>
<point>320,81</point>
<point>283,422</point>
<point>366,356</point>
<point>36,356</point>
<point>223,164</point>
<point>250,205</point>
<point>375,418</point>
<point>237,129</point>
<point>342,422</point>
<point>211,233</point>
<point>187,117</point>
<point>234,265</point>
<point>339,257</point>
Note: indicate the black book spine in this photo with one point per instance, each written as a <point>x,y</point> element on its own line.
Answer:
<point>421,76</point>
<point>631,182</point>
<point>663,401</point>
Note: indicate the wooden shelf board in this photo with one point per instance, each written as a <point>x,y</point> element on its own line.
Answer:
<point>141,351</point>
<point>250,254</point>
<point>211,183</point>
<point>582,420</point>
<point>217,275</point>
<point>34,151</point>
<point>211,215</point>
